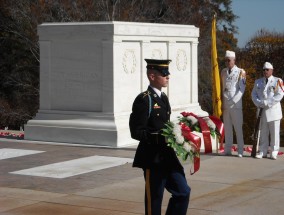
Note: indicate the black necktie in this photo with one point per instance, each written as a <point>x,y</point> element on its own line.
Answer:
<point>229,71</point>
<point>163,98</point>
<point>266,80</point>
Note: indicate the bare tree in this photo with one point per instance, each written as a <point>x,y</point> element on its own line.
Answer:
<point>19,60</point>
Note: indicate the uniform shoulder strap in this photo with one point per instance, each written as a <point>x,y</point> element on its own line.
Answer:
<point>147,93</point>
<point>150,105</point>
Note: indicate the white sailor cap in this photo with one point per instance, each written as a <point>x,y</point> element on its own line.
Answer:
<point>267,65</point>
<point>230,54</point>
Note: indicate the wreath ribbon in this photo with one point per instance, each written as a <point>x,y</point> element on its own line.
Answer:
<point>220,126</point>
<point>205,132</point>
<point>196,140</point>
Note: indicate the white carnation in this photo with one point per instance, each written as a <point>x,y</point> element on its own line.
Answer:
<point>187,146</point>
<point>177,130</point>
<point>179,139</point>
<point>210,123</point>
<point>192,119</point>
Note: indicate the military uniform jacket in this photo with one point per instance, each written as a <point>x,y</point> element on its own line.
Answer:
<point>268,97</point>
<point>233,88</point>
<point>145,125</point>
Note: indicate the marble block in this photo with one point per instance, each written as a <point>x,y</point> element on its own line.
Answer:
<point>90,74</point>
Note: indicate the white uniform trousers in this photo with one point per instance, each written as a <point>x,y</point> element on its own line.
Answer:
<point>273,129</point>
<point>233,118</point>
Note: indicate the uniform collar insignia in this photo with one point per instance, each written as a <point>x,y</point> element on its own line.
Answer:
<point>147,93</point>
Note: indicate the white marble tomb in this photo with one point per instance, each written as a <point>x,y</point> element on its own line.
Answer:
<point>90,74</point>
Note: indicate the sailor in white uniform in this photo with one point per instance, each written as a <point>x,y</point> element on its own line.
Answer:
<point>233,88</point>
<point>267,94</point>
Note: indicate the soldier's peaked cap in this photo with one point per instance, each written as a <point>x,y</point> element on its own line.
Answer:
<point>160,65</point>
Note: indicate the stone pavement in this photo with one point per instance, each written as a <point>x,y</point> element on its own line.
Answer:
<point>222,186</point>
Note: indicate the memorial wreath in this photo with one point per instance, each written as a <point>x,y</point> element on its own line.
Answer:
<point>179,135</point>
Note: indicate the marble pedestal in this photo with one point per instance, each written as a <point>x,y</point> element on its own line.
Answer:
<point>90,74</point>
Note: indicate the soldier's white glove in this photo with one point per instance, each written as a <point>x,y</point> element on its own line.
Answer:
<point>262,104</point>
<point>270,102</point>
<point>265,103</point>
<point>230,102</point>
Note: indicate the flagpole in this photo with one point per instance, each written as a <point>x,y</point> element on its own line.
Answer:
<point>216,86</point>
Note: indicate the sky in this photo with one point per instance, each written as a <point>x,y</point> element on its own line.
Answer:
<point>255,15</point>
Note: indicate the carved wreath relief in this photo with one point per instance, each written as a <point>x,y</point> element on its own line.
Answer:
<point>129,61</point>
<point>181,60</point>
<point>156,54</point>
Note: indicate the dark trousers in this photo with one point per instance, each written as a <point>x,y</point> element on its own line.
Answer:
<point>156,181</point>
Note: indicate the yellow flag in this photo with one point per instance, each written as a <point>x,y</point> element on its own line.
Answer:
<point>216,90</point>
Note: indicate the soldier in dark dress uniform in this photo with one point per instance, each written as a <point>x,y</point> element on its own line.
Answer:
<point>162,169</point>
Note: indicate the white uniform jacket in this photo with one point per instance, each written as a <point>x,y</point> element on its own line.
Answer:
<point>233,87</point>
<point>268,97</point>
